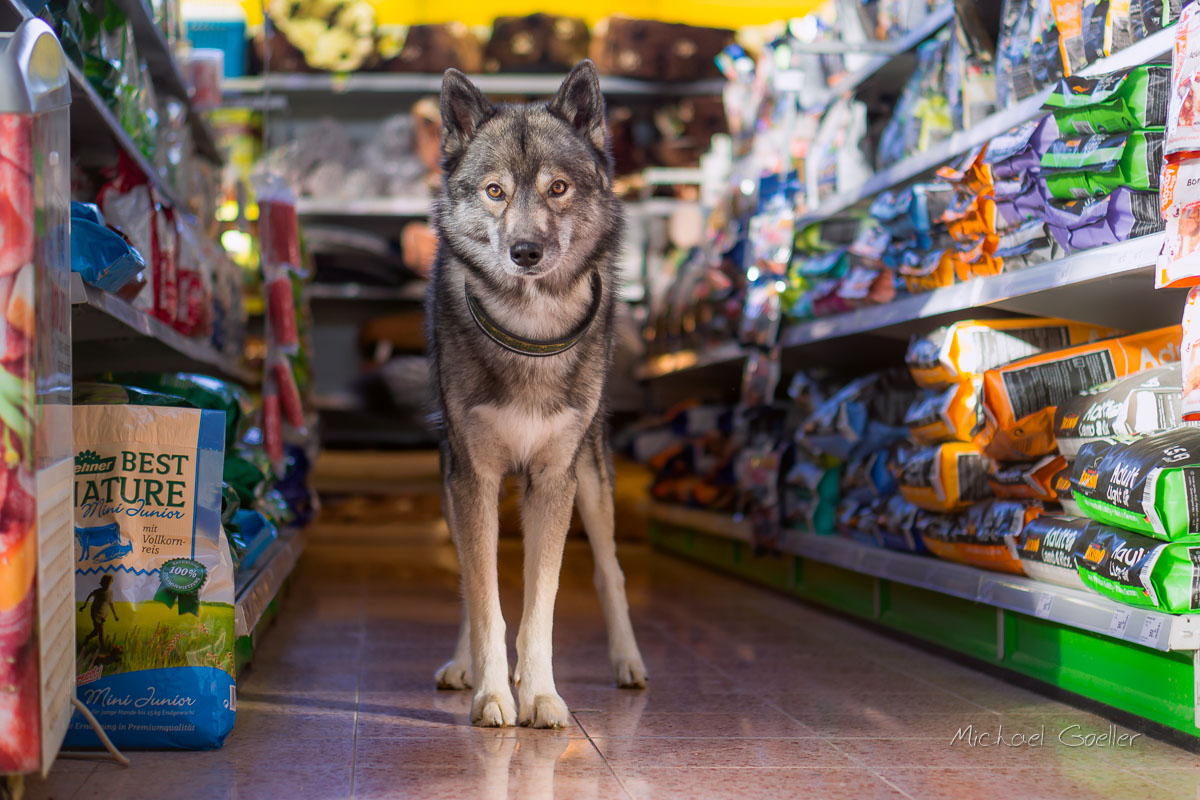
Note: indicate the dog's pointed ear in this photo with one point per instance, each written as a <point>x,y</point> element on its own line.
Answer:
<point>464,109</point>
<point>580,103</point>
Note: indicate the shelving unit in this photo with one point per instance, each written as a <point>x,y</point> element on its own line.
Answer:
<point>380,207</point>
<point>411,84</point>
<point>1139,661</point>
<point>414,291</point>
<point>254,591</point>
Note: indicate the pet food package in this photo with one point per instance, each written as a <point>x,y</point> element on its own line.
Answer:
<point>977,537</point>
<point>1183,117</point>
<point>536,43</point>
<point>972,347</point>
<point>1140,571</point>
<point>153,578</point>
<point>944,478</point>
<point>1179,205</point>
<point>1037,480</point>
<point>1020,398</point>
<point>1127,100</point>
<point>1082,166</point>
<point>1094,221</point>
<point>1145,402</point>
<point>1068,16</point>
<point>1149,484</point>
<point>1018,152</point>
<point>1046,547</point>
<point>952,414</point>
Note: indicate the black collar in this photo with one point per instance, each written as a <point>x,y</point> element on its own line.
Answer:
<point>533,347</point>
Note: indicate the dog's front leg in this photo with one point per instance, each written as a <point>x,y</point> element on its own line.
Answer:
<point>546,512</point>
<point>473,500</point>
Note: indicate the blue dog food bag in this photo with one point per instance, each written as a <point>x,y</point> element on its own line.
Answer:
<point>153,578</point>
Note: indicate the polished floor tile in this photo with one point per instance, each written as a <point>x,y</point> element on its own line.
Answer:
<point>751,696</point>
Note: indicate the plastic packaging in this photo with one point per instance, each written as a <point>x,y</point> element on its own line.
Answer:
<point>99,254</point>
<point>1141,571</point>
<point>1145,402</point>
<point>944,478</point>
<point>1047,546</point>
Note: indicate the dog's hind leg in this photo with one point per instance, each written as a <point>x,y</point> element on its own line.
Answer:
<point>595,501</point>
<point>456,673</point>
<point>546,513</point>
<point>473,515</point>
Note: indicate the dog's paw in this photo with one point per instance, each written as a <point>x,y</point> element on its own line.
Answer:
<point>454,675</point>
<point>494,710</point>
<point>630,672</point>
<point>546,711</point>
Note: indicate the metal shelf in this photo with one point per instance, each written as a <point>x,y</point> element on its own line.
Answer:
<point>255,590</point>
<point>152,45</point>
<point>109,333</point>
<point>412,291</point>
<point>1109,285</point>
<point>1068,607</point>
<point>419,84</point>
<point>1158,45</point>
<point>383,207</point>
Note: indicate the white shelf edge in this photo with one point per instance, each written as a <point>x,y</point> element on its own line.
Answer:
<point>145,325</point>
<point>709,522</point>
<point>683,360</point>
<point>253,597</point>
<point>368,207</point>
<point>425,83</point>
<point>354,291</point>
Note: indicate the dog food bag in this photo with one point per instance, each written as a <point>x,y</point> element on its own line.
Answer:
<point>1018,152</point>
<point>1081,166</point>
<point>977,537</point>
<point>1046,547</point>
<point>1145,402</point>
<point>1020,398</point>
<point>971,347</point>
<point>1107,28</point>
<point>1149,483</point>
<point>1179,263</point>
<point>1088,222</point>
<point>1140,571</point>
<point>945,478</point>
<point>1183,117</point>
<point>1031,481</point>
<point>1126,100</point>
<point>897,526</point>
<point>952,414</point>
<point>153,578</point>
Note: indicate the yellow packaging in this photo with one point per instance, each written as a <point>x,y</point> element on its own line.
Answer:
<point>952,414</point>
<point>947,477</point>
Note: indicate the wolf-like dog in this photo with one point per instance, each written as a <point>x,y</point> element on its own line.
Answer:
<point>520,326</point>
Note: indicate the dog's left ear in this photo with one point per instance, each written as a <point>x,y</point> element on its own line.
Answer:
<point>580,103</point>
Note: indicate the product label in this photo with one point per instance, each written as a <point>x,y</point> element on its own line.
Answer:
<point>1032,388</point>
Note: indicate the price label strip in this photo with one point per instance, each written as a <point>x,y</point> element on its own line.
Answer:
<point>1151,628</point>
<point>1044,601</point>
<point>1119,622</point>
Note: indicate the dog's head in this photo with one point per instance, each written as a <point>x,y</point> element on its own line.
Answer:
<point>527,189</point>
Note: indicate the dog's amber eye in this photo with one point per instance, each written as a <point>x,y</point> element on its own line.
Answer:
<point>558,188</point>
<point>494,191</point>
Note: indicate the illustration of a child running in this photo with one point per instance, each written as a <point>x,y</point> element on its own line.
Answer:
<point>102,601</point>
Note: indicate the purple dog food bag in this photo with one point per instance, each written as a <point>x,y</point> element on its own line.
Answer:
<point>1089,222</point>
<point>1019,152</point>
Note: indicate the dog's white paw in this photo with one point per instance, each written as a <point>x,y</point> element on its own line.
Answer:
<point>494,710</point>
<point>630,672</point>
<point>545,711</point>
<point>454,675</point>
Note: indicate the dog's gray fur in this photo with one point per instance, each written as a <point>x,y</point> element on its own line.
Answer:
<point>503,412</point>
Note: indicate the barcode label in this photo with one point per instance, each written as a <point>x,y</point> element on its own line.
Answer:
<point>1044,602</point>
<point>1119,622</point>
<point>1150,630</point>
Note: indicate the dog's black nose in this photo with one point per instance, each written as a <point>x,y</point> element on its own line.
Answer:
<point>525,254</point>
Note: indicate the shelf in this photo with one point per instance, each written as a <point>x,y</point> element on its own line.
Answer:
<point>1110,285</point>
<point>109,333</point>
<point>398,207</point>
<point>420,84</point>
<point>710,522</point>
<point>410,292</point>
<point>152,45</point>
<point>256,589</point>
<point>1158,45</point>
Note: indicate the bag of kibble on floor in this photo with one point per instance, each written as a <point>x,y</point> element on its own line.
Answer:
<point>1142,571</point>
<point>1145,402</point>
<point>1149,484</point>
<point>153,578</point>
<point>1046,548</point>
<point>1020,398</point>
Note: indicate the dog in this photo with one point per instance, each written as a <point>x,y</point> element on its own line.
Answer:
<point>520,328</point>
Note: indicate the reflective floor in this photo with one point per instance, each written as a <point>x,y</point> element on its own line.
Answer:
<point>752,695</point>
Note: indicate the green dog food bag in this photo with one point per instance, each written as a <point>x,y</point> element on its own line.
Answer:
<point>1140,571</point>
<point>1046,547</point>
<point>1149,484</point>
<point>154,585</point>
<point>1082,166</point>
<point>1127,100</point>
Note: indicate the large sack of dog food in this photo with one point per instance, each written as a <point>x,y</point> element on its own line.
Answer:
<point>1082,166</point>
<point>952,414</point>
<point>971,347</point>
<point>977,536</point>
<point>1126,100</point>
<point>944,478</point>
<point>153,578</point>
<point>1141,571</point>
<point>1036,480</point>
<point>1149,484</point>
<point>1020,398</point>
<point>1145,402</point>
<point>1046,547</point>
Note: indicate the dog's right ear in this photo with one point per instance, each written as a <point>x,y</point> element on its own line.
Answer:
<point>464,109</point>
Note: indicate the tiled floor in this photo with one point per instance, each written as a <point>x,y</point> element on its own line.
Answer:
<point>752,696</point>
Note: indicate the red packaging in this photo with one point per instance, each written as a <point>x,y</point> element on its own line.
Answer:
<point>272,426</point>
<point>281,310</point>
<point>166,271</point>
<point>280,232</point>
<point>289,395</point>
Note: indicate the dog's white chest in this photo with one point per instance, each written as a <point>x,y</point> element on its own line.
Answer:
<point>527,436</point>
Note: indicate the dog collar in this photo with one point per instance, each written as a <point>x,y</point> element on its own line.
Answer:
<point>534,347</point>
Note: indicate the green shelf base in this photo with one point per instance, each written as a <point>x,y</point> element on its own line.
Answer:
<point>1151,684</point>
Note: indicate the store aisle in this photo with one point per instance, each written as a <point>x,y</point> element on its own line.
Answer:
<point>752,695</point>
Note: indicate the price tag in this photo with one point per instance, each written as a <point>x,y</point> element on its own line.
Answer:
<point>1150,630</point>
<point>1044,601</point>
<point>1119,622</point>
